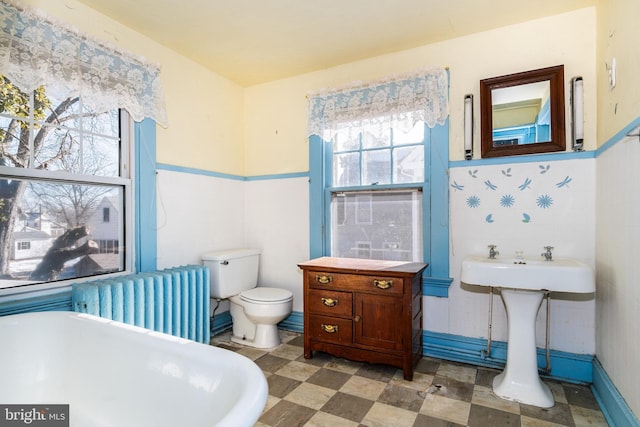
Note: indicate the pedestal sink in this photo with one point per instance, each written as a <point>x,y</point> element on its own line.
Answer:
<point>522,283</point>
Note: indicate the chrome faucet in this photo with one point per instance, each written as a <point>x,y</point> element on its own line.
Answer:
<point>548,256</point>
<point>493,252</point>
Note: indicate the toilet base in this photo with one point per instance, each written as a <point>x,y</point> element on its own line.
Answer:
<point>266,336</point>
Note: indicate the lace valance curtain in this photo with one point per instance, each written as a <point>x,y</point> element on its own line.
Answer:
<point>397,102</point>
<point>35,51</point>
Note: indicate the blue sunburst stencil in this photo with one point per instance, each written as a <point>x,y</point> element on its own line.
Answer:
<point>544,201</point>
<point>473,201</point>
<point>507,201</point>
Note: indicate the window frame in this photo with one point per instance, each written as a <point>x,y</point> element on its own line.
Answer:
<point>365,189</point>
<point>127,180</point>
<point>436,277</point>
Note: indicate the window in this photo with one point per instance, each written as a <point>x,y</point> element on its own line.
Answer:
<point>24,246</point>
<point>376,192</point>
<point>394,231</point>
<point>60,161</point>
<point>378,160</point>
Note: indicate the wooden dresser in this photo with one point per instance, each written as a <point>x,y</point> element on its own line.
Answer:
<point>364,310</point>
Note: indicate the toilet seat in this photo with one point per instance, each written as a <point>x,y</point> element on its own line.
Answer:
<point>265,295</point>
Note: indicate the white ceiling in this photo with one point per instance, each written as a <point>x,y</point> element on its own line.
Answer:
<point>256,41</point>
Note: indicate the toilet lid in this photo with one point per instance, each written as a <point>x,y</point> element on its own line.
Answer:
<point>264,294</point>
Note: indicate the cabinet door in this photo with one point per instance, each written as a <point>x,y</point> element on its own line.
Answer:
<point>378,321</point>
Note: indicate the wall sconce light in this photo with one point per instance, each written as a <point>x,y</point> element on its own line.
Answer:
<point>468,127</point>
<point>577,114</point>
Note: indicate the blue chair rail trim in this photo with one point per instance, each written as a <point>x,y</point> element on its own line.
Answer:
<point>614,407</point>
<point>203,172</point>
<point>568,367</point>
<point>533,158</point>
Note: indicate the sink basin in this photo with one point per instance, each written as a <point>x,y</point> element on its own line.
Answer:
<point>559,275</point>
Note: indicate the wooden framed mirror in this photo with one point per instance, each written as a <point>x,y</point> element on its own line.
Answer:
<point>523,113</point>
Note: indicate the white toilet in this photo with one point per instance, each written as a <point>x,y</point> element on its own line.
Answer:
<point>255,311</point>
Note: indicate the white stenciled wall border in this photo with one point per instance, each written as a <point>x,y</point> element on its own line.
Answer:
<point>523,191</point>
<point>523,207</point>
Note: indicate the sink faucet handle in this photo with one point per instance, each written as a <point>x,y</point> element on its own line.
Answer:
<point>547,253</point>
<point>492,251</point>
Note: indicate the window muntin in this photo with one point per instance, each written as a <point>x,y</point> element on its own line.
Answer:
<point>378,156</point>
<point>60,163</point>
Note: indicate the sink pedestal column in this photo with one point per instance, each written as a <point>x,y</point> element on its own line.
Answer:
<point>520,380</point>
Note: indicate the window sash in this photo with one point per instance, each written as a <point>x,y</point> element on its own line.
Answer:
<point>403,242</point>
<point>125,181</point>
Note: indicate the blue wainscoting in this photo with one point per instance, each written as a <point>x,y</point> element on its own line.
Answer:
<point>43,301</point>
<point>568,367</point>
<point>613,405</point>
<point>221,322</point>
<point>294,322</point>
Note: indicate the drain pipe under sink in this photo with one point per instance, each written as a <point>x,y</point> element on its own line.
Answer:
<point>547,336</point>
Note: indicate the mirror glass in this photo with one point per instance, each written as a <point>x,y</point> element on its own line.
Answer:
<point>523,113</point>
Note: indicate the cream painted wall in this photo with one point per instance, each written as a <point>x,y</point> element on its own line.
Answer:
<point>276,142</point>
<point>617,275</point>
<point>618,35</point>
<point>618,200</point>
<point>275,113</point>
<point>205,111</point>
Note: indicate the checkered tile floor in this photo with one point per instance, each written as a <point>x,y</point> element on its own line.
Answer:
<point>334,392</point>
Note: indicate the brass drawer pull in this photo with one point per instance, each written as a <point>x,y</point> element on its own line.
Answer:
<point>357,318</point>
<point>382,284</point>
<point>329,302</point>
<point>330,329</point>
<point>323,279</point>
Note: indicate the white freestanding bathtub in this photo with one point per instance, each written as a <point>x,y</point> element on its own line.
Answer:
<point>115,375</point>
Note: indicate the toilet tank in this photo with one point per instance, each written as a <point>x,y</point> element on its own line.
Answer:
<point>232,271</point>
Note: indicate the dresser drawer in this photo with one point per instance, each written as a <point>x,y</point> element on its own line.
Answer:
<point>354,282</point>
<point>333,303</point>
<point>330,329</point>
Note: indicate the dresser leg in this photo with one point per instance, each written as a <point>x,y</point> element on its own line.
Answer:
<point>408,374</point>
